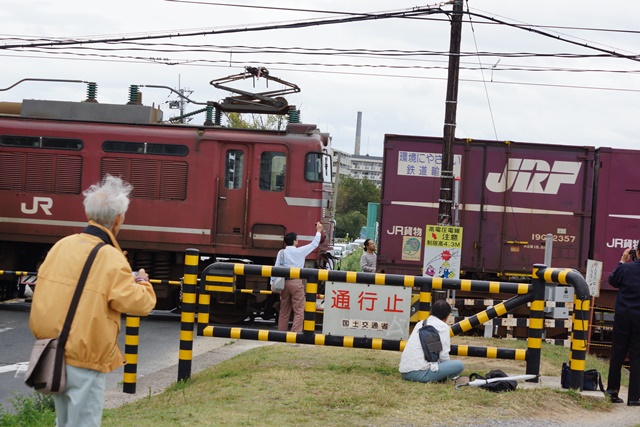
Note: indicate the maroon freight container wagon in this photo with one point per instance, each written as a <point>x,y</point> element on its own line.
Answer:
<point>616,212</point>
<point>511,195</point>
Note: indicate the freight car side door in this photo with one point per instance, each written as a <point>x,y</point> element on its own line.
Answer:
<point>232,195</point>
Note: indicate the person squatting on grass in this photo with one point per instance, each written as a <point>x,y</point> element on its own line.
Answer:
<point>414,366</point>
<point>292,298</point>
<point>111,289</point>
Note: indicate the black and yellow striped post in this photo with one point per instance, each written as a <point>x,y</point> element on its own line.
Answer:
<point>189,289</point>
<point>132,335</point>
<point>204,308</point>
<point>580,319</point>
<point>536,324</point>
<point>310,306</point>
<point>220,280</point>
<point>424,303</point>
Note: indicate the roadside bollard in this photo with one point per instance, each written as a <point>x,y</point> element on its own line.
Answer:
<point>188,313</point>
<point>132,335</point>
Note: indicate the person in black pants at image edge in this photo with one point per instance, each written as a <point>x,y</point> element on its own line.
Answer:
<point>626,327</point>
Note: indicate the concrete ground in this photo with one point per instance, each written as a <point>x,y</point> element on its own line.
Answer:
<point>554,382</point>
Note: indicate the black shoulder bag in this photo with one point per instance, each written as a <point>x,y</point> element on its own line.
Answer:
<point>430,341</point>
<point>46,372</point>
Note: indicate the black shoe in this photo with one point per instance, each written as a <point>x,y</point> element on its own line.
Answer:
<point>613,397</point>
<point>633,403</point>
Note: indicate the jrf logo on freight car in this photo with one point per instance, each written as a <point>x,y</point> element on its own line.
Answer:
<point>622,243</point>
<point>528,176</point>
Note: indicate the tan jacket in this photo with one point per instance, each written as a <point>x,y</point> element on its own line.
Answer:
<point>109,291</point>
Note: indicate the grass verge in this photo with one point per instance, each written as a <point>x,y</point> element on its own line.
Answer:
<point>303,385</point>
<point>34,410</point>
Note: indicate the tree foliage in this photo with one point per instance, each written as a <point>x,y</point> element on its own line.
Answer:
<point>353,201</point>
<point>351,223</point>
<point>256,121</point>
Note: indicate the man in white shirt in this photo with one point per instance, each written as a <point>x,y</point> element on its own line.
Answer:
<point>292,298</point>
<point>414,366</point>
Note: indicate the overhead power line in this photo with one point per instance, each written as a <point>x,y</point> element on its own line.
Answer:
<point>464,66</point>
<point>291,9</point>
<point>556,37</point>
<point>184,47</point>
<point>416,11</point>
<point>358,73</point>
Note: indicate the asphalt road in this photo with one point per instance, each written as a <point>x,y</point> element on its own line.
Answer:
<point>15,347</point>
<point>157,353</point>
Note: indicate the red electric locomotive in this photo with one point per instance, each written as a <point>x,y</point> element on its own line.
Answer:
<point>230,193</point>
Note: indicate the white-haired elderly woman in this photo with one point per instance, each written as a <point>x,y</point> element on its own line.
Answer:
<point>111,289</point>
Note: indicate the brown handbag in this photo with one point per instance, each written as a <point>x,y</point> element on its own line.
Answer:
<point>47,368</point>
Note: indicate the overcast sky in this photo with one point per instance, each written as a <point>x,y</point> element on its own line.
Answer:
<point>537,98</point>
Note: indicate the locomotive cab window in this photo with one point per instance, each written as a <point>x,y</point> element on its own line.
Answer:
<point>145,148</point>
<point>272,171</point>
<point>317,167</point>
<point>40,142</point>
<point>234,167</point>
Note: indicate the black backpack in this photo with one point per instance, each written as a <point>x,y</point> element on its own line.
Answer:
<point>430,341</point>
<point>495,386</point>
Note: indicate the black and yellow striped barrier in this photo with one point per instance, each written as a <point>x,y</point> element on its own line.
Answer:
<point>580,318</point>
<point>18,273</point>
<point>220,277</point>
<point>490,314</point>
<point>302,338</point>
<point>35,273</point>
<point>536,327</point>
<point>488,352</point>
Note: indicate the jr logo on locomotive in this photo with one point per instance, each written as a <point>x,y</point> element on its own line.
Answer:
<point>44,203</point>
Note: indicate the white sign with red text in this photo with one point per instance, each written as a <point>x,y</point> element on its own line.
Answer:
<point>372,311</point>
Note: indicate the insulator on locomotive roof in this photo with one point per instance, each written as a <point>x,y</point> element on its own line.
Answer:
<point>294,114</point>
<point>218,116</point>
<point>92,92</point>
<point>135,96</point>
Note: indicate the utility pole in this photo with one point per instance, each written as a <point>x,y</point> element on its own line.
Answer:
<point>180,103</point>
<point>451,105</point>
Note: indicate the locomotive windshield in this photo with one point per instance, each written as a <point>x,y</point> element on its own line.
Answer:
<point>317,167</point>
